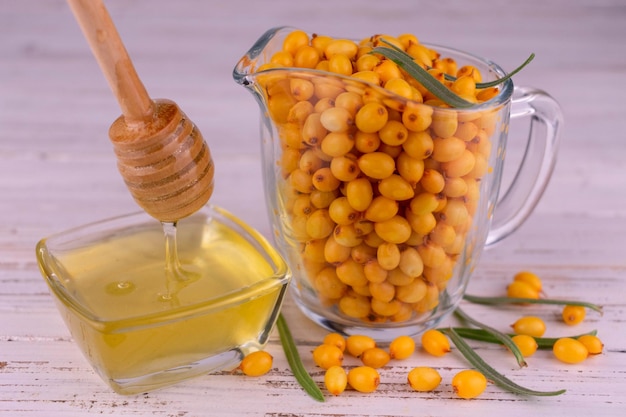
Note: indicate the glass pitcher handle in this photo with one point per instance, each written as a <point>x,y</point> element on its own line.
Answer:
<point>529,182</point>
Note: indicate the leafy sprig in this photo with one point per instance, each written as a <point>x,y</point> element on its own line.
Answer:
<point>295,362</point>
<point>496,377</point>
<point>516,300</point>
<point>406,62</point>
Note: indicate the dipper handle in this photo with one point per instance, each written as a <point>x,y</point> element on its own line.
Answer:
<point>106,44</point>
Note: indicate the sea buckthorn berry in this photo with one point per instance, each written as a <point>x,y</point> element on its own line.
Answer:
<point>347,235</point>
<point>354,305</point>
<point>336,380</point>
<point>435,342</point>
<point>417,117</point>
<point>371,117</point>
<point>432,254</point>
<point>424,203</point>
<point>322,199</point>
<point>424,379</point>
<point>444,123</point>
<point>420,53</point>
<point>344,47</point>
<point>529,325</point>
<point>314,250</point>
<point>409,168</point>
<point>324,103</point>
<point>532,279</point>
<point>402,347</point>
<point>351,273</point>
<point>399,278</point>
<point>301,181</point>
<point>366,142</point>
<point>363,253</point>
<point>447,149</point>
<point>593,343</point>
<point>369,77</point>
<point>341,212</point>
<point>388,255</point>
<point>521,289</point>
<point>455,213</point>
<point>382,291</point>
<point>319,224</point>
<point>573,314</point>
<point>340,64</point>
<point>411,262</point>
<point>335,253</point>
<point>320,42</point>
<point>385,309</point>
<point>422,224</point>
<point>357,344</point>
<point>461,166</point>
<point>335,339</point>
<point>432,181</point>
<point>364,378</point>
<point>418,145</point>
<point>374,272</point>
<point>326,356</point>
<point>526,344</point>
<point>301,89</point>
<point>359,193</point>
<point>387,70</point>
<point>396,187</point>
<point>367,62</point>
<point>400,87</point>
<point>469,383</point>
<point>336,119</point>
<point>393,133</point>
<point>378,165</point>
<point>570,350</point>
<point>455,187</point>
<point>375,357</point>
<point>324,180</point>
<point>256,363</point>
<point>464,86</point>
<point>395,230</point>
<point>310,161</point>
<point>412,292</point>
<point>313,131</point>
<point>306,57</point>
<point>328,284</point>
<point>381,209</point>
<point>295,40</point>
<point>344,168</point>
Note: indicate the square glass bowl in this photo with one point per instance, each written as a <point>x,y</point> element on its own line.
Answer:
<point>141,330</point>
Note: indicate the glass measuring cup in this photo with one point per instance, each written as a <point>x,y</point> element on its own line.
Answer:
<point>372,272</point>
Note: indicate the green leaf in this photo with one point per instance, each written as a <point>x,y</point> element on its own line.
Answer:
<point>490,373</point>
<point>295,363</point>
<point>499,336</point>
<point>499,80</point>
<point>405,61</point>
<point>512,300</point>
<point>485,336</point>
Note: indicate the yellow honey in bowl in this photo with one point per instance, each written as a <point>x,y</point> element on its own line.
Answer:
<point>141,331</point>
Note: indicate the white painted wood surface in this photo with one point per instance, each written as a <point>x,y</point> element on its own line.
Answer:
<point>57,170</point>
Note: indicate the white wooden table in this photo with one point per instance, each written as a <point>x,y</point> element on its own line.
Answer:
<point>57,170</point>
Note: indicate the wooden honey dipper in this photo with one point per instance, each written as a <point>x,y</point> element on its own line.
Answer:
<point>165,162</point>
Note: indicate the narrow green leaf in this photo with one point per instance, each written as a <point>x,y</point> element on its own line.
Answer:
<point>405,61</point>
<point>499,80</point>
<point>498,335</point>
<point>496,377</point>
<point>511,300</point>
<point>295,363</point>
<point>484,336</point>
